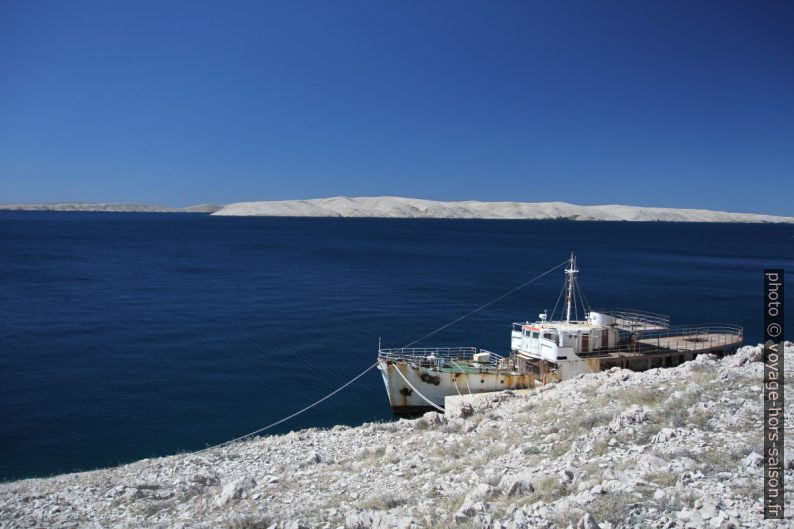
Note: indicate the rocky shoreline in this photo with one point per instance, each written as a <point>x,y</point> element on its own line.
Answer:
<point>678,447</point>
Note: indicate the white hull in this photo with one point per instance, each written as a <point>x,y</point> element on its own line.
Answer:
<point>437,384</point>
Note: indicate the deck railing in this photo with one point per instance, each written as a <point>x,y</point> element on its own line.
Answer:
<point>439,356</point>
<point>629,317</point>
<point>639,316</point>
<point>701,337</point>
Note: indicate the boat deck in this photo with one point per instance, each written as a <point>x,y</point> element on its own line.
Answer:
<point>690,343</point>
<point>464,368</point>
<point>693,342</point>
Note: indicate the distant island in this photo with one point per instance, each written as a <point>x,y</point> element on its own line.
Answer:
<point>400,207</point>
<point>109,207</point>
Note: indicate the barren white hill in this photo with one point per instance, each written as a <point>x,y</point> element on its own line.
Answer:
<point>399,207</point>
<point>90,206</point>
<point>110,207</point>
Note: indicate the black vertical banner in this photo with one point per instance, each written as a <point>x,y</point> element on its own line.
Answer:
<point>773,394</point>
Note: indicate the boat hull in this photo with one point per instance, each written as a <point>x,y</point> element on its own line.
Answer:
<point>437,384</point>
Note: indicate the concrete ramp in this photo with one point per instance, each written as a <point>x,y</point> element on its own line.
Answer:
<point>454,405</point>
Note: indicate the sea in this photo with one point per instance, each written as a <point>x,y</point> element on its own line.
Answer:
<point>134,335</point>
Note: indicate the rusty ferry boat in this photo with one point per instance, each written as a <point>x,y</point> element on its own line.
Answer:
<point>546,351</point>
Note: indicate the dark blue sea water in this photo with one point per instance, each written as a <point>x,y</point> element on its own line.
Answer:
<point>125,336</point>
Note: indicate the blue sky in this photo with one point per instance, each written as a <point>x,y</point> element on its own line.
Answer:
<point>675,104</point>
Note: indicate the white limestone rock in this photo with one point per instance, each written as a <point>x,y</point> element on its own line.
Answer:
<point>234,490</point>
<point>516,485</point>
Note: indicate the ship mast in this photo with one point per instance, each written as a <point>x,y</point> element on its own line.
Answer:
<point>570,272</point>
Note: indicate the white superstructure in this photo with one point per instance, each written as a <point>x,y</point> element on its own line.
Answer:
<point>549,350</point>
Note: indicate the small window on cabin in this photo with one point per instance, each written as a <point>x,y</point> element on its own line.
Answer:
<point>548,336</point>
<point>535,334</point>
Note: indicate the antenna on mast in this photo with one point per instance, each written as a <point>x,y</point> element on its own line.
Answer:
<point>570,272</point>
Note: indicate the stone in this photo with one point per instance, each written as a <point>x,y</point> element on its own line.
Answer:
<point>587,522</point>
<point>566,476</point>
<point>234,490</point>
<point>664,435</point>
<point>709,509</point>
<point>469,509</point>
<point>753,460</point>
<point>433,418</point>
<point>204,479</point>
<point>462,410</point>
<point>312,458</point>
<point>659,495</point>
<point>512,486</point>
<point>634,415</point>
<point>132,494</point>
<point>482,491</point>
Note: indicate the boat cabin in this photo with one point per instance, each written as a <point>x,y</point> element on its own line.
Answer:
<point>560,340</point>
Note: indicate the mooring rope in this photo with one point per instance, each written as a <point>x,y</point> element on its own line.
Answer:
<point>288,417</point>
<point>461,372</point>
<point>346,384</point>
<point>478,309</point>
<point>455,381</point>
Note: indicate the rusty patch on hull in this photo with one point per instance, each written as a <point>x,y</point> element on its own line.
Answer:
<point>435,385</point>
